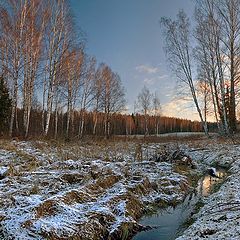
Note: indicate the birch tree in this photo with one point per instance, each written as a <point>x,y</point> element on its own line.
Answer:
<point>218,36</point>
<point>178,49</point>
<point>36,19</point>
<point>157,111</point>
<point>112,97</point>
<point>205,56</point>
<point>144,102</point>
<point>57,43</point>
<point>97,92</point>
<point>229,12</point>
<point>86,91</point>
<point>73,74</point>
<point>13,20</point>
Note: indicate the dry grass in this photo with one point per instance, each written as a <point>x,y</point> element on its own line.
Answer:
<point>94,179</point>
<point>106,182</point>
<point>7,145</point>
<point>46,208</point>
<point>75,196</point>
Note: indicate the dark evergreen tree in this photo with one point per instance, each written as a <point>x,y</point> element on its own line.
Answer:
<point>5,104</point>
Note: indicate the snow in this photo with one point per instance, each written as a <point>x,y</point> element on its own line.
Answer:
<point>219,218</point>
<point>71,191</point>
<point>3,171</point>
<point>93,190</point>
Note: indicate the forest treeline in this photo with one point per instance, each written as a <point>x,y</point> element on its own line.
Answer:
<point>120,124</point>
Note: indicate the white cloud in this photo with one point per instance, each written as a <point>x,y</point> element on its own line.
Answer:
<point>183,108</point>
<point>153,80</point>
<point>147,69</point>
<point>163,76</point>
<point>149,81</point>
<point>180,108</point>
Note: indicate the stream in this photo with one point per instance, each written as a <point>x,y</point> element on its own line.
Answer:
<point>169,223</point>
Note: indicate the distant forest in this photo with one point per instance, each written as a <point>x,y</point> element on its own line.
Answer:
<point>121,124</point>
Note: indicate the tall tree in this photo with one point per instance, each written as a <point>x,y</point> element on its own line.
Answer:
<point>206,58</point>
<point>36,19</point>
<point>97,93</point>
<point>157,111</point>
<point>112,97</point>
<point>73,73</point>
<point>178,49</point>
<point>12,22</point>
<point>218,36</point>
<point>86,91</point>
<point>144,101</point>
<point>229,12</point>
<point>57,42</point>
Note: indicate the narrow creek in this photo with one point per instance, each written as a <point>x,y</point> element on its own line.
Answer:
<point>169,223</point>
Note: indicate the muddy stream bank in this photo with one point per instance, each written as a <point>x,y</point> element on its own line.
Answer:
<point>169,223</point>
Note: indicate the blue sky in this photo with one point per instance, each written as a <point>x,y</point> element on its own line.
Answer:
<point>125,34</point>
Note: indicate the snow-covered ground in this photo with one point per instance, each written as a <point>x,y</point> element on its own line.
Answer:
<point>219,218</point>
<point>93,191</point>
<point>99,190</point>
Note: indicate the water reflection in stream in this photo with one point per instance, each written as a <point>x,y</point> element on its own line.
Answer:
<point>169,222</point>
<point>207,182</point>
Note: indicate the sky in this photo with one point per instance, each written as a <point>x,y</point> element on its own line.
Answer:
<point>126,35</point>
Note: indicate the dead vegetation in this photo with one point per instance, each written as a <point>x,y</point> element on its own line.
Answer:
<point>95,191</point>
<point>47,208</point>
<point>76,196</point>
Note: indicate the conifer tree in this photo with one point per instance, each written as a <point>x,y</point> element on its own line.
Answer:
<point>5,104</point>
